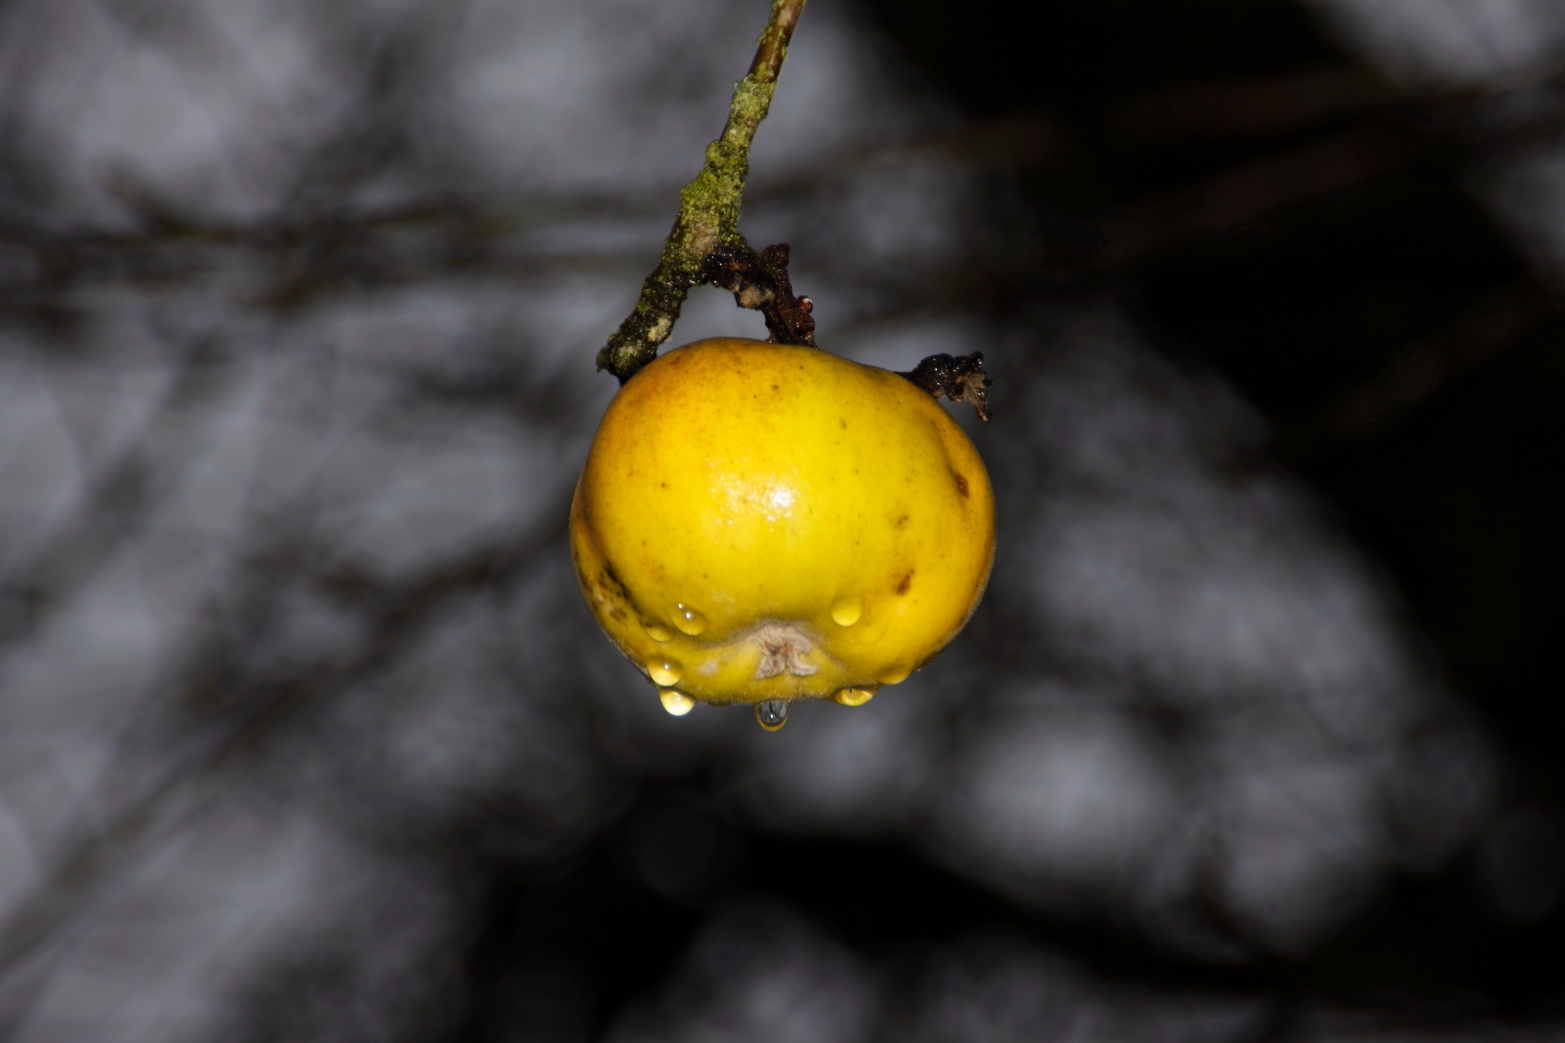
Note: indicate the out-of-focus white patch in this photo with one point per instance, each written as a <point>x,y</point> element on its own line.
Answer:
<point>839,90</point>
<point>900,218</point>
<point>208,104</point>
<point>1527,191</point>
<point>213,493</point>
<point>520,92</point>
<point>1155,559</point>
<point>1452,41</point>
<point>1221,625</point>
<point>862,770</point>
<point>1044,799</point>
<point>21,861</point>
<point>470,717</point>
<point>90,663</point>
<point>1502,44</point>
<point>1221,609</point>
<point>168,951</point>
<point>41,465</point>
<point>900,346</point>
<point>1301,838</point>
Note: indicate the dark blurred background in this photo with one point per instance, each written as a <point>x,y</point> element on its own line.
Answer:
<point>305,733</point>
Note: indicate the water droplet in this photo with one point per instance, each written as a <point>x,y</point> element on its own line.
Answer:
<point>771,714</point>
<point>856,696</point>
<point>658,632</point>
<point>676,702</point>
<point>688,620</point>
<point>665,671</point>
<point>895,674</point>
<point>846,611</point>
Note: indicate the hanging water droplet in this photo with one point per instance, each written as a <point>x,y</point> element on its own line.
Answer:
<point>771,714</point>
<point>895,674</point>
<point>658,632</point>
<point>665,671</point>
<point>688,620</point>
<point>676,702</point>
<point>856,696</point>
<point>846,611</point>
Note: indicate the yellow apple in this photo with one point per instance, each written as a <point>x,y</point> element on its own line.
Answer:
<point>759,523</point>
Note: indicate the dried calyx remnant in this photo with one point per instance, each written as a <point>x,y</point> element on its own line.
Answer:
<point>960,378</point>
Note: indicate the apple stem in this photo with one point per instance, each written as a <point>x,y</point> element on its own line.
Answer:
<point>762,283</point>
<point>708,215</point>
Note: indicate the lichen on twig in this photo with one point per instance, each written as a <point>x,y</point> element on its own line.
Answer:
<point>708,216</point>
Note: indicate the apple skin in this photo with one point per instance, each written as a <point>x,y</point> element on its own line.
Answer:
<point>761,522</point>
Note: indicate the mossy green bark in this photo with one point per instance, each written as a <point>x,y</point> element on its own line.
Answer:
<point>709,207</point>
